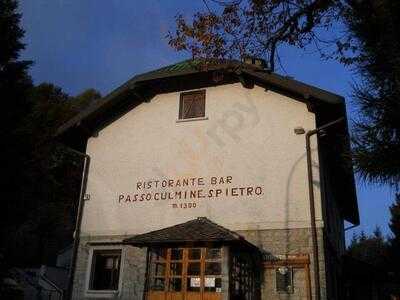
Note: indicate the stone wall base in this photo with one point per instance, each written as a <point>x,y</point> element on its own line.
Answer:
<point>275,244</point>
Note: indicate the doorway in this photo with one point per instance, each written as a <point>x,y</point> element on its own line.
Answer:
<point>185,273</point>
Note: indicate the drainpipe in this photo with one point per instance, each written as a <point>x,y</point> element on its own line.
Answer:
<point>77,232</point>
<point>312,204</point>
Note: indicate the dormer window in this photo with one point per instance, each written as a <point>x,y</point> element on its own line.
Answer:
<point>192,105</point>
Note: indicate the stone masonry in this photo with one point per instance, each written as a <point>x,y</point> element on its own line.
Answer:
<point>271,242</point>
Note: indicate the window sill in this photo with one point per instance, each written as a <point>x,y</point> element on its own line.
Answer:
<point>101,293</point>
<point>191,119</point>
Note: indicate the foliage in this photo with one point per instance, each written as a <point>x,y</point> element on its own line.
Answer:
<point>40,212</point>
<point>42,179</point>
<point>253,28</point>
<point>362,34</point>
<point>47,207</point>
<point>375,249</point>
<point>85,99</point>
<point>377,130</point>
<point>14,80</point>
<point>10,32</point>
<point>372,249</point>
<point>394,240</point>
<point>14,87</point>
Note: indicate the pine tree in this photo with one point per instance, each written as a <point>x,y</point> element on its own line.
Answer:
<point>372,249</point>
<point>394,226</point>
<point>374,25</point>
<point>14,88</point>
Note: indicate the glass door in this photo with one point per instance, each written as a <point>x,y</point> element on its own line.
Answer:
<point>185,274</point>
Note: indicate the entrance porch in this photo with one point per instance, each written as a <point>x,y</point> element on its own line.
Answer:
<point>199,260</point>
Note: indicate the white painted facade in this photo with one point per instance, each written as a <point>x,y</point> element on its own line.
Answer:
<point>247,134</point>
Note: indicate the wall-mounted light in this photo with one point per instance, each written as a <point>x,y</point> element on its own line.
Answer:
<point>283,270</point>
<point>299,130</point>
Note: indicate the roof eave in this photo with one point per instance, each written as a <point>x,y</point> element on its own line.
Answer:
<point>272,79</point>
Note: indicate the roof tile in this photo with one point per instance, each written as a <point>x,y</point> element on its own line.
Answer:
<point>197,230</point>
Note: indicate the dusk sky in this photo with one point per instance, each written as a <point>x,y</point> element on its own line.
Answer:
<point>101,44</point>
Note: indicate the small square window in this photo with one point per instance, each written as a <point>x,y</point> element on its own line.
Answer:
<point>213,268</point>
<point>284,280</point>
<point>176,254</point>
<point>194,268</point>
<point>158,284</point>
<point>213,253</point>
<point>175,284</point>
<point>195,254</point>
<point>192,105</point>
<point>105,270</point>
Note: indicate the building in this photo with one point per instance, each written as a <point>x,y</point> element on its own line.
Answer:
<point>197,187</point>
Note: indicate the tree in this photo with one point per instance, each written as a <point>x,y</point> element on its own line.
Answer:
<point>362,34</point>
<point>46,219</point>
<point>253,28</point>
<point>41,204</point>
<point>394,240</point>
<point>373,26</point>
<point>372,249</point>
<point>14,87</point>
<point>85,99</point>
<point>14,80</point>
<point>42,178</point>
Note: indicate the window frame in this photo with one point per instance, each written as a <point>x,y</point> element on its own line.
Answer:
<point>185,277</point>
<point>91,293</point>
<point>181,117</point>
<point>291,279</point>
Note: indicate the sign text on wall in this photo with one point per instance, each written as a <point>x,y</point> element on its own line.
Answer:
<point>193,188</point>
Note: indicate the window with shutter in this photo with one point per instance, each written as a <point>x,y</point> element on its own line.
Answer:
<point>192,105</point>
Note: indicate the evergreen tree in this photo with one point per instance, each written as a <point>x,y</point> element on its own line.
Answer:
<point>14,79</point>
<point>42,178</point>
<point>85,99</point>
<point>394,240</point>
<point>374,27</point>
<point>14,88</point>
<point>372,249</point>
<point>47,219</point>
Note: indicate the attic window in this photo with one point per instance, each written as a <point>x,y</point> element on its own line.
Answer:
<point>192,105</point>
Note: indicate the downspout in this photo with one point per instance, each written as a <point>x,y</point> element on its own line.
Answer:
<point>314,237</point>
<point>146,280</point>
<point>77,232</point>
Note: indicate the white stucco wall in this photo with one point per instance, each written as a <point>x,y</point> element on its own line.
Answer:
<point>248,135</point>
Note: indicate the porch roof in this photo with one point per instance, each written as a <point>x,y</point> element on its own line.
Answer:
<point>198,230</point>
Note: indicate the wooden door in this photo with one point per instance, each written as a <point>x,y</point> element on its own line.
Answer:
<point>185,274</point>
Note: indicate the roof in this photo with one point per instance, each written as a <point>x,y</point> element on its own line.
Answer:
<point>197,230</point>
<point>194,74</point>
<point>190,67</point>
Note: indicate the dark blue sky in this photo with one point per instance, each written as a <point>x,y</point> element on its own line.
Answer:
<point>101,44</point>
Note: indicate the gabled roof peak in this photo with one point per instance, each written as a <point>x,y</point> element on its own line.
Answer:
<point>134,90</point>
<point>200,229</point>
